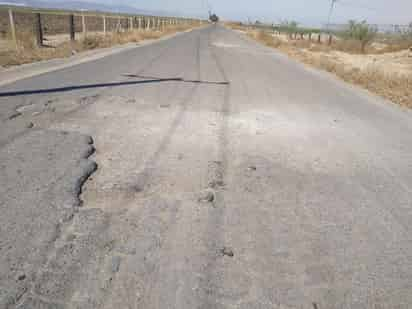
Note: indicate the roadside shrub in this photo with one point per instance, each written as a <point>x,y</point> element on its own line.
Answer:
<point>361,32</point>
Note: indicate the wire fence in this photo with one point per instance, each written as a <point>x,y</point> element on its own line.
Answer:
<point>16,23</point>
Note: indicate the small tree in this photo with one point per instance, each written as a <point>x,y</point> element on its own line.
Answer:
<point>289,27</point>
<point>361,32</point>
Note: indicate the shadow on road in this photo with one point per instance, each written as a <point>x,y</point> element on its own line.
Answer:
<point>148,80</point>
<point>194,81</point>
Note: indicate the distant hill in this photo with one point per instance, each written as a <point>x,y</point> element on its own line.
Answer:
<point>84,5</point>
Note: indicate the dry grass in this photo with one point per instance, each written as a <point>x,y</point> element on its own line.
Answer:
<point>347,46</point>
<point>396,45</point>
<point>235,26</point>
<point>28,52</point>
<point>354,46</point>
<point>265,38</point>
<point>394,86</point>
<point>301,44</point>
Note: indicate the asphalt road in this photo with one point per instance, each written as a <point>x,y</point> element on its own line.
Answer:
<point>228,176</point>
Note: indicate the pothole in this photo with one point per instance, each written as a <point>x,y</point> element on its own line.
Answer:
<point>227,251</point>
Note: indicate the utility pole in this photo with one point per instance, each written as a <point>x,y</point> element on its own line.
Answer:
<point>332,6</point>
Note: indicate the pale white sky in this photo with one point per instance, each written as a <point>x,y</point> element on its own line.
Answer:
<point>309,12</point>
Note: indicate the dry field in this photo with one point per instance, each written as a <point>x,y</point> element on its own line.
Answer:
<point>385,69</point>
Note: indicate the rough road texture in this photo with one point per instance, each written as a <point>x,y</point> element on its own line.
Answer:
<point>229,177</point>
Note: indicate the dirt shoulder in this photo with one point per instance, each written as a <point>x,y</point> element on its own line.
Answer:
<point>386,74</point>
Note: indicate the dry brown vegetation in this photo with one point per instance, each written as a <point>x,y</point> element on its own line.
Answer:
<point>378,76</point>
<point>235,25</point>
<point>354,46</point>
<point>267,39</point>
<point>393,86</point>
<point>28,52</point>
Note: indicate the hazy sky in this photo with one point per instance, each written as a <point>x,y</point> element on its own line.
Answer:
<point>309,12</point>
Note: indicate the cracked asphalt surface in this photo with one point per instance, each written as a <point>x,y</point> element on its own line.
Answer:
<point>222,175</point>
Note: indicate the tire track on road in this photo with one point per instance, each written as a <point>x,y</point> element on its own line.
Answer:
<point>144,177</point>
<point>162,282</point>
<point>215,232</point>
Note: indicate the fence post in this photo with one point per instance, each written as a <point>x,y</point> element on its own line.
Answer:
<point>319,38</point>
<point>310,36</point>
<point>147,23</point>
<point>131,23</point>
<point>12,28</point>
<point>71,27</point>
<point>104,24</point>
<point>139,23</point>
<point>330,39</point>
<point>119,24</point>
<point>38,30</point>
<point>84,30</point>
